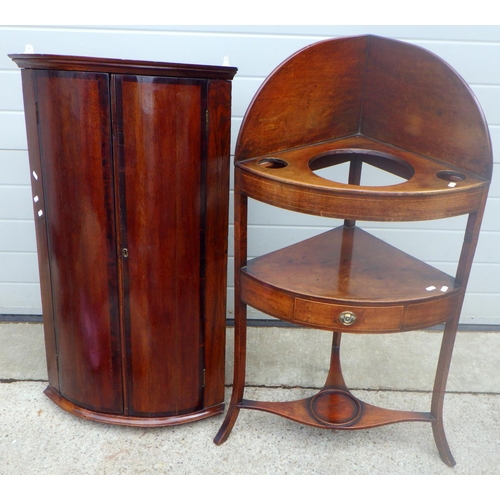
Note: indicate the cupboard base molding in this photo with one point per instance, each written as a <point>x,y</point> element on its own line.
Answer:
<point>108,418</point>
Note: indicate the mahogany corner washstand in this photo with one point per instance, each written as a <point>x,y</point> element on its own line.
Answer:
<point>393,106</point>
<point>130,180</point>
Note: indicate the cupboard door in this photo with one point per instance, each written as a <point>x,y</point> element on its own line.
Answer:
<point>74,130</point>
<point>159,127</point>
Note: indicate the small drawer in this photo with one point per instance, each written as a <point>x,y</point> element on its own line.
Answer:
<point>348,319</point>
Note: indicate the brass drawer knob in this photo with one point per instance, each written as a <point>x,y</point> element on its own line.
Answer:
<point>347,318</point>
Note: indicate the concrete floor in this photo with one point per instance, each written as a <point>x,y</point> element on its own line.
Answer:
<point>38,438</point>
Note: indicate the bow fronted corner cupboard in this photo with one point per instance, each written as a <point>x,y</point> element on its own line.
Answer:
<point>130,178</point>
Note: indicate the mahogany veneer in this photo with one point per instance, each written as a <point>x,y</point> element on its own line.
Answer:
<point>130,179</point>
<point>359,100</point>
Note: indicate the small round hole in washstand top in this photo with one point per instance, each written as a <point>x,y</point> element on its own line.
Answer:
<point>273,163</point>
<point>451,176</point>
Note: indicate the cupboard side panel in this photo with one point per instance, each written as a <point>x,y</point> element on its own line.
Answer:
<point>74,132</point>
<point>40,226</point>
<point>217,203</point>
<point>161,221</point>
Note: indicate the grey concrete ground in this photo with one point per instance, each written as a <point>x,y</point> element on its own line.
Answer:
<point>37,437</point>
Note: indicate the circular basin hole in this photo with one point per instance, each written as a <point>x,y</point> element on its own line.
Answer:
<point>451,176</point>
<point>273,162</point>
<point>377,169</point>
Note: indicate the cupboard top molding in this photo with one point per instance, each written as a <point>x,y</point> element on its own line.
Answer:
<point>106,65</point>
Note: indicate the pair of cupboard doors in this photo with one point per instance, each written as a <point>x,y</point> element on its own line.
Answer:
<point>130,180</point>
